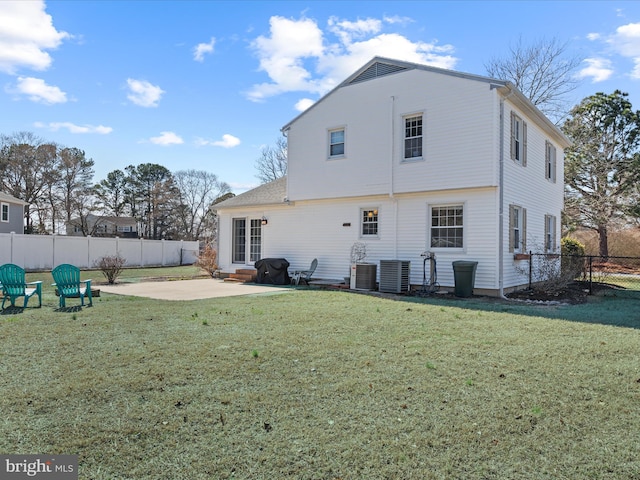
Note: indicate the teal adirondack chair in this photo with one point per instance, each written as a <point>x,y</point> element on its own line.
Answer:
<point>14,285</point>
<point>69,285</point>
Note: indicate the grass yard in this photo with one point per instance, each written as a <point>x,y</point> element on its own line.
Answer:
<point>325,385</point>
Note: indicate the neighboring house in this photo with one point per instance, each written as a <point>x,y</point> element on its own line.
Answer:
<point>11,214</point>
<point>408,159</point>
<point>104,226</point>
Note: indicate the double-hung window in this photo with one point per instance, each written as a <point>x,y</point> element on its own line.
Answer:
<point>447,226</point>
<point>336,142</point>
<point>518,140</point>
<point>369,225</point>
<point>517,229</point>
<point>549,233</point>
<point>5,212</point>
<point>413,137</point>
<point>550,162</point>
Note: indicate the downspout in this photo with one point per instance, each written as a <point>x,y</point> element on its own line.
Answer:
<point>391,177</point>
<point>501,200</point>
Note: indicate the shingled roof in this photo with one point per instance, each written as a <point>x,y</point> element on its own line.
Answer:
<point>268,194</point>
<point>5,197</point>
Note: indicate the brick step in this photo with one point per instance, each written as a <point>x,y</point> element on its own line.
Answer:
<point>233,280</point>
<point>247,271</point>
<point>239,277</point>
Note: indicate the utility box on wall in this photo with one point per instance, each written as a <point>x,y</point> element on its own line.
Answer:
<point>394,276</point>
<point>363,276</point>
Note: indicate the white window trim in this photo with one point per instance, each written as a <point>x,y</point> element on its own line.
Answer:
<point>430,208</point>
<point>2,219</point>
<point>520,152</point>
<point>342,128</point>
<point>522,229</point>
<point>361,223</point>
<point>404,117</point>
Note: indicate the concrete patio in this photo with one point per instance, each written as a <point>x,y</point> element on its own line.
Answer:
<point>191,289</point>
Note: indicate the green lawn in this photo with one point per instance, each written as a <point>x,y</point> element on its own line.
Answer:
<point>325,385</point>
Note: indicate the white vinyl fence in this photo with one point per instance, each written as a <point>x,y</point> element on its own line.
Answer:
<point>44,252</point>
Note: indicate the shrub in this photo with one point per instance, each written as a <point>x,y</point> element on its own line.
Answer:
<point>573,263</point>
<point>208,260</point>
<point>110,266</point>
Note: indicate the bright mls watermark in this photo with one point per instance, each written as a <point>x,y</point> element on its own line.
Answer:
<point>49,467</point>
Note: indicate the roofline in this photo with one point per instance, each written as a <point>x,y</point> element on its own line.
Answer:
<point>509,90</point>
<point>401,63</point>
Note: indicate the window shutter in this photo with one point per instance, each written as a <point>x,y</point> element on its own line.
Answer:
<point>511,225</point>
<point>513,136</point>
<point>554,246</point>
<point>524,143</point>
<point>553,163</point>
<point>523,229</point>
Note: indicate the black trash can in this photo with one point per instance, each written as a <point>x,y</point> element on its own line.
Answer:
<point>464,274</point>
<point>273,271</point>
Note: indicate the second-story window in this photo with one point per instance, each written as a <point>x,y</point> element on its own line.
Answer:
<point>518,140</point>
<point>413,137</point>
<point>550,162</point>
<point>336,142</point>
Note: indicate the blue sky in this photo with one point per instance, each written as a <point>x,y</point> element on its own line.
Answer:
<point>206,85</point>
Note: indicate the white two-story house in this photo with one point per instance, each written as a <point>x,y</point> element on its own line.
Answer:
<point>408,159</point>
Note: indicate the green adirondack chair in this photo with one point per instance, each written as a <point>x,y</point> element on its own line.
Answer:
<point>15,286</point>
<point>69,285</point>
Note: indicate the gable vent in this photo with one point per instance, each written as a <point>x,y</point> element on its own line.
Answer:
<point>377,70</point>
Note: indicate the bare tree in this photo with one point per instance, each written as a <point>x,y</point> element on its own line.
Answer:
<point>272,163</point>
<point>27,167</point>
<point>197,190</point>
<point>543,71</point>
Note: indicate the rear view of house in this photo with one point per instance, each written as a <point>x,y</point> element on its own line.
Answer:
<point>409,159</point>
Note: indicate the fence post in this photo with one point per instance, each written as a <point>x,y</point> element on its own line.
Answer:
<point>530,269</point>
<point>590,275</point>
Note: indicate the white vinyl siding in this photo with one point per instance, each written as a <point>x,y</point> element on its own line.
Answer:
<point>461,146</point>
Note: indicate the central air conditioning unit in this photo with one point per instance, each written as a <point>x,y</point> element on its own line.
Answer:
<point>394,276</point>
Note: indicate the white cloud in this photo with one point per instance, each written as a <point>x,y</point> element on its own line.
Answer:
<point>593,36</point>
<point>201,49</point>
<point>167,138</point>
<point>38,91</point>
<point>27,31</point>
<point>303,104</point>
<point>298,56</point>
<point>626,42</point>
<point>73,128</point>
<point>598,69</point>
<point>346,31</point>
<point>143,93</point>
<point>228,141</point>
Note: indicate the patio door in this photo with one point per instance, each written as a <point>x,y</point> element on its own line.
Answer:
<point>247,240</point>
